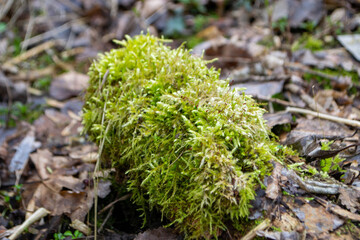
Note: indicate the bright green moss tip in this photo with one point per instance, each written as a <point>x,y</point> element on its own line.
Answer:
<point>191,147</point>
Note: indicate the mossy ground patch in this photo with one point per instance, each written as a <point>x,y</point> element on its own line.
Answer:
<point>191,147</point>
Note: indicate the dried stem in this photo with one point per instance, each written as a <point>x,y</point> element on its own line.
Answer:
<point>40,213</point>
<point>353,123</point>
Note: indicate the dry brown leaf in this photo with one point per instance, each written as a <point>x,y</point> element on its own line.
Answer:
<point>349,197</point>
<point>273,187</point>
<point>307,127</point>
<point>278,118</point>
<point>68,85</point>
<point>316,218</point>
<point>62,194</point>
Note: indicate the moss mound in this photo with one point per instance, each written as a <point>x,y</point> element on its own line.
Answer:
<point>192,148</point>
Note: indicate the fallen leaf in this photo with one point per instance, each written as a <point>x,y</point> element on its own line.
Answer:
<point>314,216</point>
<point>259,89</point>
<point>279,118</point>
<point>318,127</point>
<point>349,197</point>
<point>62,194</point>
<point>351,43</point>
<point>298,11</point>
<point>68,85</point>
<point>273,187</point>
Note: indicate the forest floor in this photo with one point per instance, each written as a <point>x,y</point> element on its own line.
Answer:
<point>299,58</point>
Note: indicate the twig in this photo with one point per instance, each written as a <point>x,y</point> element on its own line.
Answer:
<point>82,227</point>
<point>61,64</point>
<point>275,100</point>
<point>156,15</point>
<point>114,202</point>
<point>40,213</point>
<point>297,66</point>
<point>29,29</point>
<point>256,78</point>
<point>353,123</point>
<point>250,235</point>
<point>104,79</point>
<point>338,210</point>
<point>231,59</point>
<point>314,186</point>
<point>33,75</point>
<point>113,8</point>
<point>6,8</point>
<point>305,97</point>
<point>32,52</point>
<point>19,11</point>
<point>106,219</point>
<point>38,38</point>
<point>72,52</point>
<point>8,90</point>
<point>97,167</point>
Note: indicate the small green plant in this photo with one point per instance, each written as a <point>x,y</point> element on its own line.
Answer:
<point>191,42</point>
<point>17,45</point>
<point>309,26</point>
<point>337,26</point>
<point>20,111</point>
<point>276,229</point>
<point>17,189</point>
<point>309,42</point>
<point>44,60</point>
<point>200,21</point>
<point>280,24</point>
<point>6,198</point>
<point>309,198</point>
<point>43,83</point>
<point>267,41</point>
<point>190,146</point>
<point>313,171</point>
<point>11,198</point>
<point>330,164</point>
<point>326,83</point>
<point>75,235</point>
<point>314,44</point>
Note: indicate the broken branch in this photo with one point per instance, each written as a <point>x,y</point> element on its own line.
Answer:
<point>353,123</point>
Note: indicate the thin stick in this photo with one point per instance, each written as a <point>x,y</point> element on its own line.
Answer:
<point>114,202</point>
<point>29,29</point>
<point>252,234</point>
<point>106,219</point>
<point>97,168</point>
<point>63,65</point>
<point>32,52</point>
<point>19,11</point>
<point>276,100</point>
<point>257,78</point>
<point>52,33</point>
<point>305,97</point>
<point>38,38</point>
<point>33,75</point>
<point>40,213</point>
<point>6,8</point>
<point>353,123</point>
<point>308,70</point>
<point>231,59</point>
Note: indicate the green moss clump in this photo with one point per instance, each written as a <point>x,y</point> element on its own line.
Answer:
<point>191,147</point>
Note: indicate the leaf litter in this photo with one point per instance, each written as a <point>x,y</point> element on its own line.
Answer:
<point>285,53</point>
